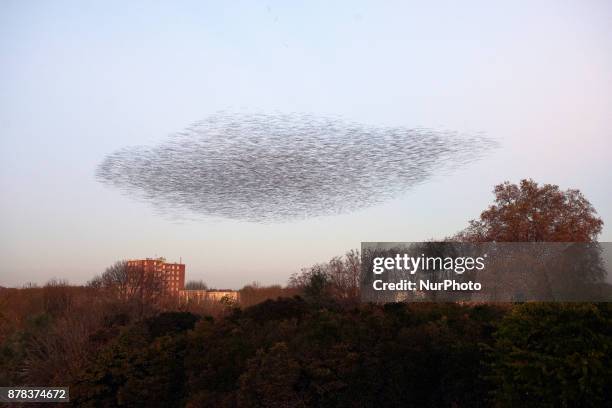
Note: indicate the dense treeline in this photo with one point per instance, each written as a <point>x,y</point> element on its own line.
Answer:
<point>315,351</point>
<point>290,352</point>
<point>293,353</point>
<point>47,334</point>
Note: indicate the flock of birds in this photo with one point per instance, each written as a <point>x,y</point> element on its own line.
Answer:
<point>283,167</point>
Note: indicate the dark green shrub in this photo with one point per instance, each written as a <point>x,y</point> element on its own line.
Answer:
<point>554,355</point>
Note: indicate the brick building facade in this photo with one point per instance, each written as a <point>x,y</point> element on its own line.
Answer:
<point>171,275</point>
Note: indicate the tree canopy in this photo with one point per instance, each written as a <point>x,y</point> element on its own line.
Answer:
<point>528,212</point>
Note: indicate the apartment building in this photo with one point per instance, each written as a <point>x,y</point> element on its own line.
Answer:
<point>172,275</point>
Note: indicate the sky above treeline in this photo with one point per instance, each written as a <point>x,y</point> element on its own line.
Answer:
<point>80,80</point>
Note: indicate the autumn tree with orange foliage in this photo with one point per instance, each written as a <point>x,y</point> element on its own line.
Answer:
<point>528,212</point>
